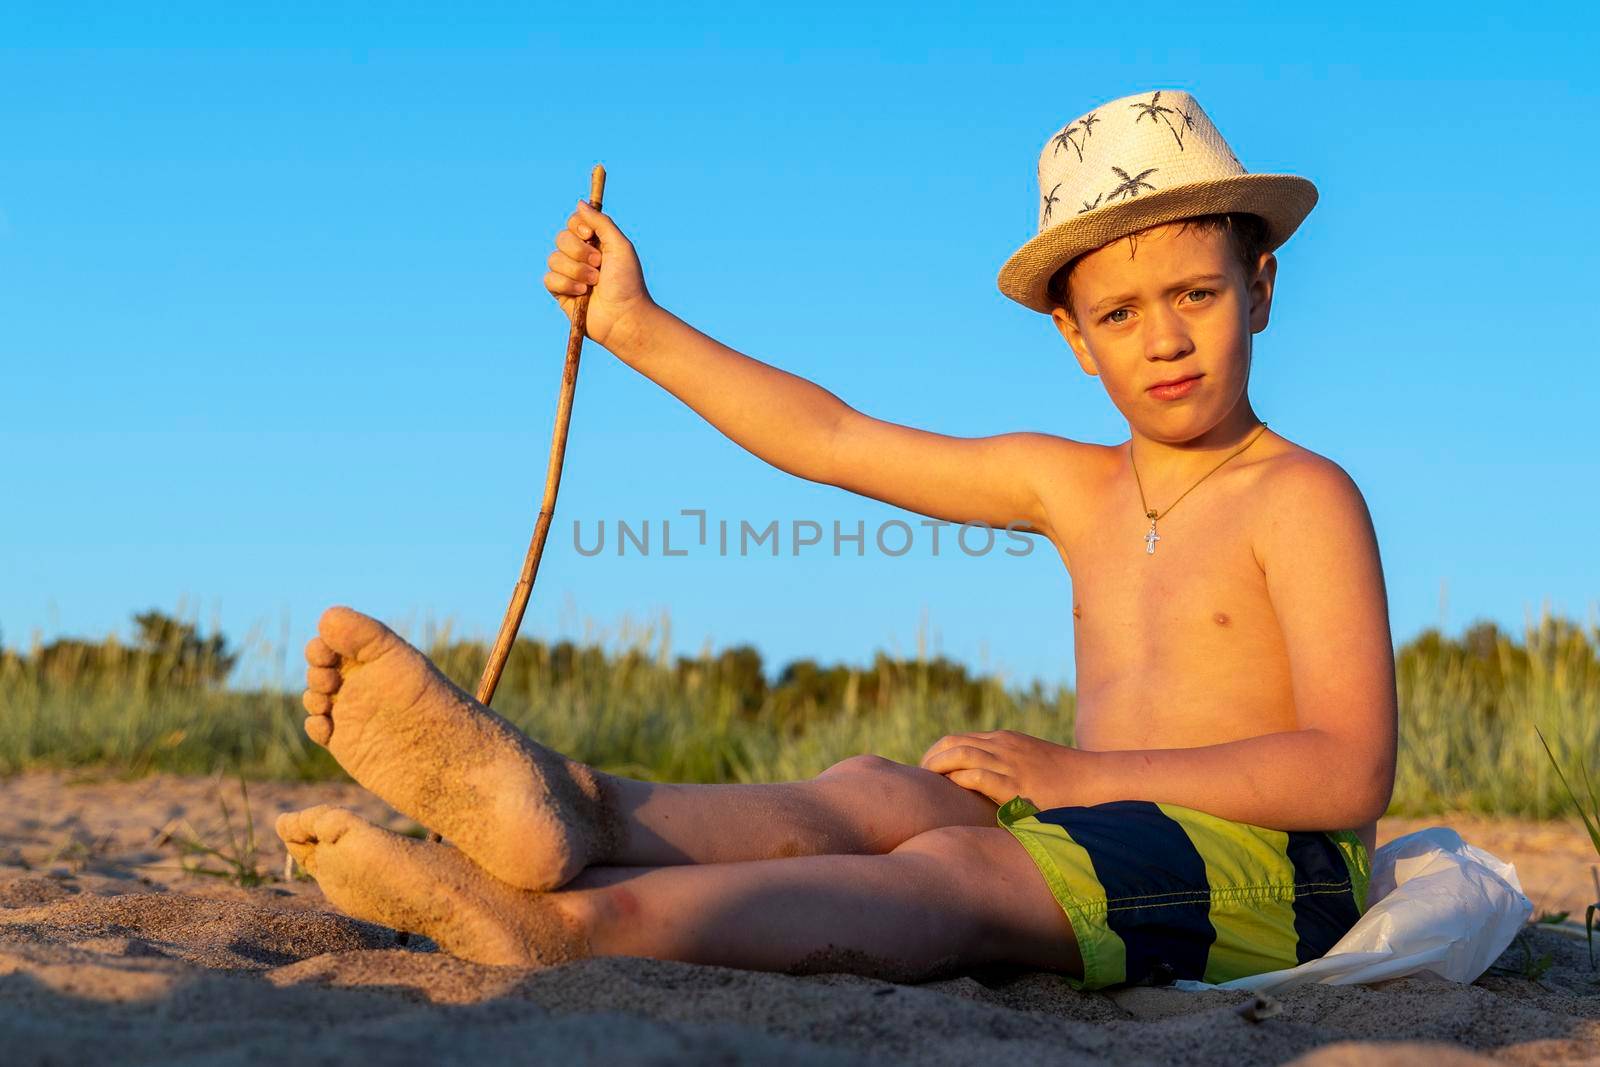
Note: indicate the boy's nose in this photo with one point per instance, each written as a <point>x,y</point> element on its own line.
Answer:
<point>1166,335</point>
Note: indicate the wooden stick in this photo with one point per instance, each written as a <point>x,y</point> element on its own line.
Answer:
<point>552,478</point>
<point>552,482</point>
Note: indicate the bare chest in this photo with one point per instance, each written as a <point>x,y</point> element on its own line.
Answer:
<point>1178,646</point>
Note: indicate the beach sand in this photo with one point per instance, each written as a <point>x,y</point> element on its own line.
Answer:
<point>110,951</point>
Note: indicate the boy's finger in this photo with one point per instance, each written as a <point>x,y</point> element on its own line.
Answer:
<point>968,757</point>
<point>561,263</point>
<point>609,234</point>
<point>577,248</point>
<point>564,286</point>
<point>997,787</point>
<point>943,743</point>
<point>935,748</point>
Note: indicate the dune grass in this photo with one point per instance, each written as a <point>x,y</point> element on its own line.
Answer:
<point>1471,710</point>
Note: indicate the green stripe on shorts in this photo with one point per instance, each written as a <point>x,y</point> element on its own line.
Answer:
<point>1069,873</point>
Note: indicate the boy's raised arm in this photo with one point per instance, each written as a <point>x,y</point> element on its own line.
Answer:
<point>792,423</point>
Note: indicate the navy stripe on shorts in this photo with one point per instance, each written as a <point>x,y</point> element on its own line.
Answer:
<point>1141,852</point>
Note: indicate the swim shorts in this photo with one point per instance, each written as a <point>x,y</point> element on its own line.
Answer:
<point>1156,892</point>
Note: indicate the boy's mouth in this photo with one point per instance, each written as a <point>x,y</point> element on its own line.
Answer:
<point>1173,388</point>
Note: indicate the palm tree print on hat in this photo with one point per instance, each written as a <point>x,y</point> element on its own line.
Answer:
<point>1090,207</point>
<point>1049,200</point>
<point>1151,109</point>
<point>1084,127</point>
<point>1130,187</point>
<point>1064,138</point>
<point>1156,111</point>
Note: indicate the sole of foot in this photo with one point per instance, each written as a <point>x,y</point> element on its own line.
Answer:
<point>428,888</point>
<point>527,815</point>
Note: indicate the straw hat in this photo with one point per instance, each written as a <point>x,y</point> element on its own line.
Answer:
<point>1136,162</point>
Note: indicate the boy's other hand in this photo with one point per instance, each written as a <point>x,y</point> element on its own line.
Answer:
<point>1002,764</point>
<point>610,274</point>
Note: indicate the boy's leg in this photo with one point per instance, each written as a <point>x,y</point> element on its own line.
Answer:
<point>949,898</point>
<point>533,818</point>
<point>946,899</point>
<point>865,805</point>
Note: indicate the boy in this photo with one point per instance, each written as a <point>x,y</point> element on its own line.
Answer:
<point>1236,697</point>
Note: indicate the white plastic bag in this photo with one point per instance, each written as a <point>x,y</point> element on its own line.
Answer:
<point>1435,903</point>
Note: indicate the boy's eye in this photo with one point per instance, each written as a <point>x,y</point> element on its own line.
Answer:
<point>1112,318</point>
<point>1196,295</point>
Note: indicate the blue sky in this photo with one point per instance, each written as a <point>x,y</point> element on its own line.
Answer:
<point>274,334</point>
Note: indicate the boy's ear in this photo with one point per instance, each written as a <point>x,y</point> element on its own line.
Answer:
<point>1074,336</point>
<point>1261,290</point>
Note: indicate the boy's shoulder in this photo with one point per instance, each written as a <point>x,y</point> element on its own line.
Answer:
<point>1302,497</point>
<point>1285,466</point>
<point>1290,468</point>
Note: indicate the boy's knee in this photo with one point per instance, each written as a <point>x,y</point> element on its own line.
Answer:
<point>866,765</point>
<point>917,793</point>
<point>896,777</point>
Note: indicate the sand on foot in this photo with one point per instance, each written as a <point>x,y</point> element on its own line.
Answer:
<point>524,813</point>
<point>425,887</point>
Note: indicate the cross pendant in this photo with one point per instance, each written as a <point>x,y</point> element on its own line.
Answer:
<point>1150,539</point>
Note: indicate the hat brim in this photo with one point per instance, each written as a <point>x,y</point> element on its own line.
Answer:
<point>1283,200</point>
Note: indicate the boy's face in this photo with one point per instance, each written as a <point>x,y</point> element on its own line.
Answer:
<point>1180,306</point>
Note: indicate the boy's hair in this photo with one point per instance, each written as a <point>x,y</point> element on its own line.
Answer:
<point>1247,235</point>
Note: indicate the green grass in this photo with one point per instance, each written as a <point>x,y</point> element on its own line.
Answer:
<point>1588,809</point>
<point>1470,711</point>
<point>236,859</point>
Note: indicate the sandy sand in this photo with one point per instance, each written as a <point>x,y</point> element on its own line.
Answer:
<point>110,951</point>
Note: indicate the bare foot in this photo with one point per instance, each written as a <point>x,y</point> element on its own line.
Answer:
<point>428,888</point>
<point>527,815</point>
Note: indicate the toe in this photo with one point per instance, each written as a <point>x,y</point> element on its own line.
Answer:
<point>318,654</point>
<point>323,679</point>
<point>329,824</point>
<point>316,703</point>
<point>295,827</point>
<point>295,831</point>
<point>349,633</point>
<point>319,728</point>
<point>322,824</point>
